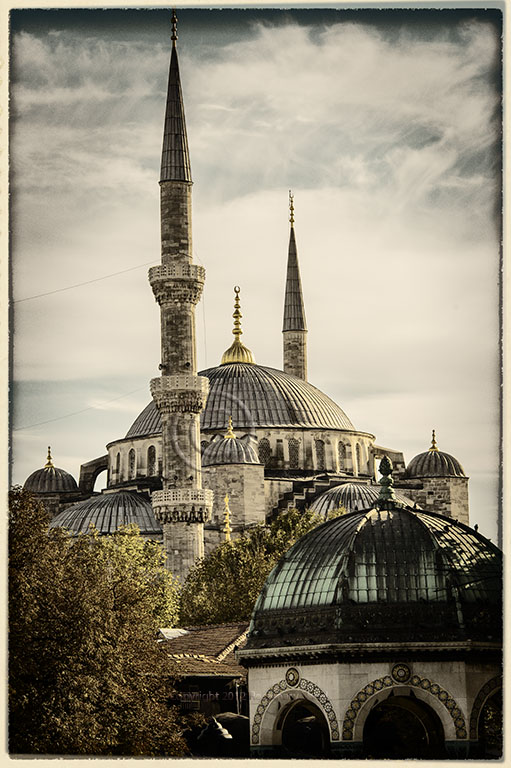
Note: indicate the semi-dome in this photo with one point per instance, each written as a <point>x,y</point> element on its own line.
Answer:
<point>255,396</point>
<point>229,449</point>
<point>351,496</point>
<point>382,575</point>
<point>107,512</point>
<point>434,463</point>
<point>50,479</point>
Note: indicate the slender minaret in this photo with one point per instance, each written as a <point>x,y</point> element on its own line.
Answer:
<point>294,329</point>
<point>182,506</point>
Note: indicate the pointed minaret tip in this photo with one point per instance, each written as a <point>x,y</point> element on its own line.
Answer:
<point>294,310</point>
<point>175,158</point>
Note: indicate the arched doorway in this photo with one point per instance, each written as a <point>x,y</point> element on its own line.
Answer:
<point>490,727</point>
<point>403,727</point>
<point>305,731</point>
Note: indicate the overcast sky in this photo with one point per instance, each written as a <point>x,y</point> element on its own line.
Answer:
<point>385,124</point>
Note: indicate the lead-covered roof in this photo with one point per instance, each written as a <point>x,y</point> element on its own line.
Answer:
<point>255,396</point>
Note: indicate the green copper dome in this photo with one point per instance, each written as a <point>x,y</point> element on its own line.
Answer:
<point>382,575</point>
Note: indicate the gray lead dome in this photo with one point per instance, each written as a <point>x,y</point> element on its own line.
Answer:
<point>351,496</point>
<point>434,464</point>
<point>107,512</point>
<point>51,480</point>
<point>230,450</point>
<point>255,396</point>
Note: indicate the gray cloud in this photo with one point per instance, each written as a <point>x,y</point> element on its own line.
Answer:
<point>389,144</point>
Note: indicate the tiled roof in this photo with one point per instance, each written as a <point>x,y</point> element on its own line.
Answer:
<point>208,650</point>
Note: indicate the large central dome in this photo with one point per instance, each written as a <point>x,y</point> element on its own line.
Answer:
<point>255,396</point>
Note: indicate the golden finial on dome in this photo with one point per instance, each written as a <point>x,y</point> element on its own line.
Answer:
<point>227,517</point>
<point>237,352</point>
<point>229,434</point>
<point>49,461</point>
<point>433,442</point>
<point>291,208</point>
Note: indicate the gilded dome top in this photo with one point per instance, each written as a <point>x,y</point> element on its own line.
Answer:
<point>255,396</point>
<point>382,575</point>
<point>107,512</point>
<point>50,479</point>
<point>351,496</point>
<point>434,463</point>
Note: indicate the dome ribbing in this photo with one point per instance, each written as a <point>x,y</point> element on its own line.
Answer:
<point>351,496</point>
<point>255,396</point>
<point>382,575</point>
<point>107,512</point>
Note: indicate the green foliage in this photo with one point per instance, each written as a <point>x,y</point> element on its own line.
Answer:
<point>224,585</point>
<point>86,674</point>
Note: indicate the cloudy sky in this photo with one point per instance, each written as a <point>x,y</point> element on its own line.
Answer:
<point>385,124</point>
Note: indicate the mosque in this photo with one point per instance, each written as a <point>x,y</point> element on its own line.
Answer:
<point>268,439</point>
<point>378,634</point>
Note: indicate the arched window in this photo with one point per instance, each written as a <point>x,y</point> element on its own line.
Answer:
<point>203,446</point>
<point>131,464</point>
<point>118,466</point>
<point>151,461</point>
<point>320,454</point>
<point>264,451</point>
<point>357,454</point>
<point>341,455</point>
<point>294,457</point>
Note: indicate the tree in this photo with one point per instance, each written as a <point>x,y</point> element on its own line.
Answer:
<point>224,585</point>
<point>86,674</point>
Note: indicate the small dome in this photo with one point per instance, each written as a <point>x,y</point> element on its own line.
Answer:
<point>229,449</point>
<point>107,512</point>
<point>434,463</point>
<point>352,496</point>
<point>382,575</point>
<point>50,479</point>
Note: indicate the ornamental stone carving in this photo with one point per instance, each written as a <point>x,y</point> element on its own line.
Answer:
<point>296,683</point>
<point>177,283</point>
<point>180,393</point>
<point>182,505</point>
<point>417,682</point>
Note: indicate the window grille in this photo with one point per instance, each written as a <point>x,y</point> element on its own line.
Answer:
<point>151,461</point>
<point>320,454</point>
<point>294,447</point>
<point>264,451</point>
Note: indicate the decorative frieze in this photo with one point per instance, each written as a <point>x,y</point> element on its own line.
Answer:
<point>177,283</point>
<point>182,505</point>
<point>180,393</point>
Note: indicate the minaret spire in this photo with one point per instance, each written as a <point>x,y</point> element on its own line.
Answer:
<point>175,158</point>
<point>179,394</point>
<point>294,327</point>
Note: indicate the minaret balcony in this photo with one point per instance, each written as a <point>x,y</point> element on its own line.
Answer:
<point>176,284</point>
<point>182,505</point>
<point>180,393</point>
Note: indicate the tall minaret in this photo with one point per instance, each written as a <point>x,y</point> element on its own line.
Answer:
<point>294,329</point>
<point>182,506</point>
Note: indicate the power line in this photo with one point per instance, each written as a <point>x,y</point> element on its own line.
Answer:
<point>86,282</point>
<point>82,410</point>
